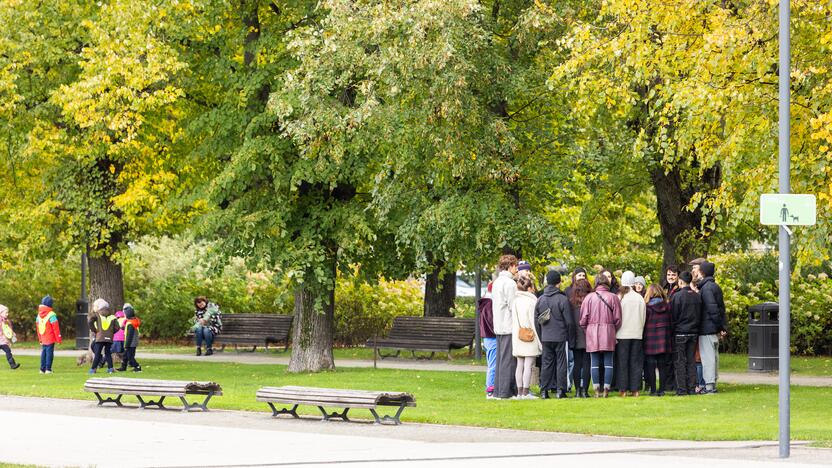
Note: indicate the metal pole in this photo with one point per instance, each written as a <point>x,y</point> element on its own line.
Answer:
<point>81,338</point>
<point>784,145</point>
<point>477,334</point>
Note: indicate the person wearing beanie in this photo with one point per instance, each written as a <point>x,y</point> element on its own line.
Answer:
<point>7,336</point>
<point>713,326</point>
<point>629,357</point>
<point>686,315</point>
<point>49,333</point>
<point>640,286</point>
<point>131,339</point>
<point>104,325</point>
<point>556,328</point>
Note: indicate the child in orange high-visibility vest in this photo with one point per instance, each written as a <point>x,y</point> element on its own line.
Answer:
<point>131,339</point>
<point>49,333</point>
<point>7,336</point>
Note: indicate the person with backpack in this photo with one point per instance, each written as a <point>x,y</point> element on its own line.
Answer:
<point>600,319</point>
<point>556,328</point>
<point>7,336</point>
<point>104,325</point>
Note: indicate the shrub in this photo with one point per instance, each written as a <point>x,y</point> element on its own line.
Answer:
<point>363,310</point>
<point>22,288</point>
<point>642,263</point>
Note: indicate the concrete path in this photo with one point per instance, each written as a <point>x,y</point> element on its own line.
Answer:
<point>423,365</point>
<point>78,433</point>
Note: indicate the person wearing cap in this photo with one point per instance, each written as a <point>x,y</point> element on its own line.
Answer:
<point>105,325</point>
<point>686,315</point>
<point>49,333</point>
<point>713,326</point>
<point>694,270</point>
<point>503,291</point>
<point>629,357</point>
<point>555,332</point>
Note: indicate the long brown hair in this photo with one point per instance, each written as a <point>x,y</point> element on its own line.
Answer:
<point>654,291</point>
<point>579,291</point>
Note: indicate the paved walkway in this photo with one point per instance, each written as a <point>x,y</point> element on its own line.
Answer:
<point>424,365</point>
<point>79,433</point>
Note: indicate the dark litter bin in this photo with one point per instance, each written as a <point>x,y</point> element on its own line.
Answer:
<point>763,337</point>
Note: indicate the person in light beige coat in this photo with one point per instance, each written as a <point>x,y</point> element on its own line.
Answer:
<point>522,311</point>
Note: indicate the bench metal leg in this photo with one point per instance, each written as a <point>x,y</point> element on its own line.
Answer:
<point>276,412</point>
<point>148,403</point>
<point>222,348</point>
<point>382,355</point>
<point>394,419</point>
<point>328,416</point>
<point>203,406</point>
<point>101,401</point>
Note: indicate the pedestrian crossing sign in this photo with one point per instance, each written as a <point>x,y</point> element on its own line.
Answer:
<point>787,209</point>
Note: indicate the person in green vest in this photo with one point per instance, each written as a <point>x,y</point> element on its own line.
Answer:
<point>105,325</point>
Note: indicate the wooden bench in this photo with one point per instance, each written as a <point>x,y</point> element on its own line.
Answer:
<point>330,397</point>
<point>157,388</point>
<point>434,334</point>
<point>254,330</point>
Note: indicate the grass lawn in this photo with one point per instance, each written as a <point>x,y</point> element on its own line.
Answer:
<point>739,412</point>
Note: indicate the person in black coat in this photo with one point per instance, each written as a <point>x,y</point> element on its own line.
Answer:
<point>713,326</point>
<point>554,333</point>
<point>686,315</point>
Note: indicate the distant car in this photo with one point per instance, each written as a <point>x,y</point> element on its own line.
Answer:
<point>463,288</point>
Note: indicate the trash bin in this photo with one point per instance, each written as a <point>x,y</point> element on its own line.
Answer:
<point>763,337</point>
<point>82,337</point>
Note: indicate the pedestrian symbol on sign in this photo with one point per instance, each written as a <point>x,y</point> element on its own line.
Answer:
<point>787,209</point>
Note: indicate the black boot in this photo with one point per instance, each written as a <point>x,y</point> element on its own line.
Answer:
<point>199,351</point>
<point>13,364</point>
<point>544,394</point>
<point>561,395</point>
<point>209,352</point>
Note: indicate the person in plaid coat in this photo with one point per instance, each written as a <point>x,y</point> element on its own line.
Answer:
<point>658,329</point>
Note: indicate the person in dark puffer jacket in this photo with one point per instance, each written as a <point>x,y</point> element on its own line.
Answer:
<point>713,326</point>
<point>657,339</point>
<point>686,311</point>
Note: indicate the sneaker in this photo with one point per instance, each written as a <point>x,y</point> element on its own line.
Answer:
<point>91,371</point>
<point>199,351</point>
<point>110,370</point>
<point>48,371</point>
<point>209,352</point>
<point>42,371</point>
<point>15,365</point>
<point>137,369</point>
<point>121,369</point>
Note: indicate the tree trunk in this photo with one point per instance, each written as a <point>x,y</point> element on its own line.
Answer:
<point>312,333</point>
<point>682,233</point>
<point>440,291</point>
<point>106,281</point>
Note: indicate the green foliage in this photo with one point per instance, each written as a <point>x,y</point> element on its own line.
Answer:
<point>364,310</point>
<point>641,262</point>
<point>162,277</point>
<point>22,288</point>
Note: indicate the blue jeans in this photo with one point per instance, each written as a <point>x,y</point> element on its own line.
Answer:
<point>490,345</point>
<point>204,334</point>
<point>601,379</point>
<point>570,365</point>
<point>700,379</point>
<point>47,355</point>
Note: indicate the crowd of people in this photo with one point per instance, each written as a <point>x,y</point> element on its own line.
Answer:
<point>111,334</point>
<point>618,336</point>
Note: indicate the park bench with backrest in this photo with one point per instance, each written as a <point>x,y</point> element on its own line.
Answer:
<point>334,398</point>
<point>142,388</point>
<point>254,330</point>
<point>433,334</point>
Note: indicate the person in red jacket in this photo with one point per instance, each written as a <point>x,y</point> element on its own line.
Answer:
<point>49,333</point>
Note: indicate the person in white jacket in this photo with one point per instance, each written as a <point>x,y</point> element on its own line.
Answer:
<point>629,356</point>
<point>522,311</point>
<point>503,291</point>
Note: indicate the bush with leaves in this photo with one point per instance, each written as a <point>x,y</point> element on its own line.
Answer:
<point>363,310</point>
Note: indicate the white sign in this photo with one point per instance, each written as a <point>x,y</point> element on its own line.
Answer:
<point>787,209</point>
